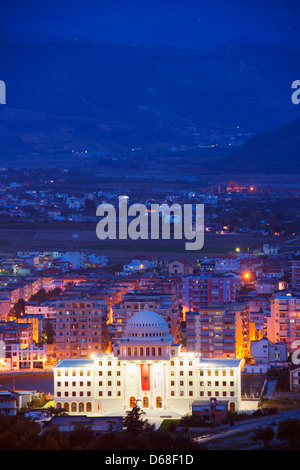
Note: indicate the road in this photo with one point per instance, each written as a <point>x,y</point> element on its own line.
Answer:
<point>250,425</point>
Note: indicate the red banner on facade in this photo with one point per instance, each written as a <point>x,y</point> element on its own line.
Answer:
<point>145,377</point>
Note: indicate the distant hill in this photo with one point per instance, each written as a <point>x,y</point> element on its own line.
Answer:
<point>110,97</point>
<point>277,151</point>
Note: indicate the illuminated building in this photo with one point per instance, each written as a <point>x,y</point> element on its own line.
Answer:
<point>148,368</point>
<point>295,273</point>
<point>207,289</point>
<point>283,324</point>
<point>163,303</point>
<point>221,330</point>
<point>211,331</point>
<point>80,327</point>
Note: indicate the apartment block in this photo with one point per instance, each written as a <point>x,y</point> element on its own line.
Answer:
<point>207,289</point>
<point>222,330</point>
<point>212,332</point>
<point>80,328</point>
<point>295,274</point>
<point>165,304</point>
<point>283,324</point>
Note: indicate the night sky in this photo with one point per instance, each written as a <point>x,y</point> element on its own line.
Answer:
<point>199,24</point>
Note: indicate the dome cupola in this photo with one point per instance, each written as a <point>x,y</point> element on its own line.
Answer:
<point>147,325</point>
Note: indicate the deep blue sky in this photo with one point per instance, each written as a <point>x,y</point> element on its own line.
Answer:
<point>176,22</point>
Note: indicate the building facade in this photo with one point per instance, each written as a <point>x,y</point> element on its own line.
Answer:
<point>80,328</point>
<point>212,332</point>
<point>207,289</point>
<point>148,368</point>
<point>283,324</point>
<point>295,273</point>
<point>222,330</point>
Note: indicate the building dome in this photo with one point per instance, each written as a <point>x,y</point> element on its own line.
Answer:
<point>147,324</point>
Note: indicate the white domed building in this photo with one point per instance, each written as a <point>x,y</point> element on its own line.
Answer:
<point>147,368</point>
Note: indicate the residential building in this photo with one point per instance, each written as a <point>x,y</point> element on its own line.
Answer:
<point>227,263</point>
<point>294,372</point>
<point>295,273</point>
<point>221,330</point>
<point>211,410</point>
<point>80,327</point>
<point>163,303</point>
<point>180,268</point>
<point>263,351</point>
<point>11,401</point>
<point>207,289</point>
<point>283,324</point>
<point>211,331</point>
<point>30,359</point>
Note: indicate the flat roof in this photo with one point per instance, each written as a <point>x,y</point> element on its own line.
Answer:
<point>219,362</point>
<point>76,362</point>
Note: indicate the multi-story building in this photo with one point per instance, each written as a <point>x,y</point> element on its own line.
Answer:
<point>227,263</point>
<point>148,368</point>
<point>33,308</point>
<point>80,328</point>
<point>295,273</point>
<point>180,267</point>
<point>222,330</point>
<point>283,324</point>
<point>165,304</point>
<point>207,289</point>
<point>23,289</point>
<point>12,333</point>
<point>31,358</point>
<point>294,373</point>
<point>244,328</point>
<point>211,331</point>
<point>264,351</point>
<point>259,307</point>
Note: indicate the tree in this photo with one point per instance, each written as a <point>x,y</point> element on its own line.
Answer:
<point>53,439</point>
<point>81,436</point>
<point>57,411</point>
<point>133,421</point>
<point>289,429</point>
<point>18,433</point>
<point>268,435</point>
<point>48,334</point>
<point>18,309</point>
<point>42,295</point>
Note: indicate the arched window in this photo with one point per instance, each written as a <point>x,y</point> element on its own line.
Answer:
<point>135,351</point>
<point>158,402</point>
<point>129,351</point>
<point>147,351</point>
<point>88,406</point>
<point>153,351</point>
<point>66,406</point>
<point>81,407</point>
<point>132,402</point>
<point>232,407</point>
<point>141,351</point>
<point>145,402</point>
<point>73,407</point>
<point>58,405</point>
<point>159,351</point>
